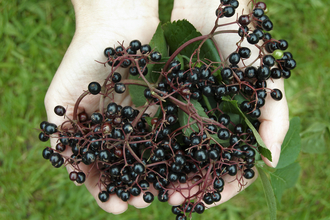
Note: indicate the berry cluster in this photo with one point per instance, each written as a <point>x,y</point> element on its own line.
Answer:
<point>195,138</point>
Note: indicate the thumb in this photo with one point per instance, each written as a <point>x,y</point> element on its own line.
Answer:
<point>274,122</point>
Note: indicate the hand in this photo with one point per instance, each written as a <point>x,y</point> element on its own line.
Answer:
<point>98,26</point>
<point>274,115</point>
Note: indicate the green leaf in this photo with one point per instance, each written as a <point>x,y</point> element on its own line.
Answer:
<point>291,144</point>
<point>284,178</point>
<point>232,106</point>
<point>269,193</point>
<point>181,31</point>
<point>313,138</point>
<point>184,119</point>
<point>157,43</point>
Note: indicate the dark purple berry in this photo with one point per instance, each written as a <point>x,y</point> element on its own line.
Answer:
<point>94,88</point>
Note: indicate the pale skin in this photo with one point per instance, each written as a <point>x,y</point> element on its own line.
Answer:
<point>100,24</point>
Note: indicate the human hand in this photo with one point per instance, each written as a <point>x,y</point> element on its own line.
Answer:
<point>98,25</point>
<point>274,114</point>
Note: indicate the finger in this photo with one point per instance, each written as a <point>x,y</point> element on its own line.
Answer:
<point>138,202</point>
<point>232,187</point>
<point>114,205</point>
<point>274,122</point>
<point>177,198</point>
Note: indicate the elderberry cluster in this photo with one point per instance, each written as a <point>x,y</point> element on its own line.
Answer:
<point>197,136</point>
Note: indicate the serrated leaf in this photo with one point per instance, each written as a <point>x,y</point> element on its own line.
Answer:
<point>291,144</point>
<point>284,178</point>
<point>232,106</point>
<point>181,31</point>
<point>269,194</point>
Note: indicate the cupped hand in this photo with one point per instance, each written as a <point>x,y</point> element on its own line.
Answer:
<point>99,24</point>
<point>274,114</point>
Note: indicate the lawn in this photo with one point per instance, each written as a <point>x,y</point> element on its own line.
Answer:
<point>34,36</point>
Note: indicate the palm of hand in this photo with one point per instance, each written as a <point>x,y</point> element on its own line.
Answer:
<point>78,69</point>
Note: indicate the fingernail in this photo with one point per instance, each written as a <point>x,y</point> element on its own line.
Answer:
<point>276,151</point>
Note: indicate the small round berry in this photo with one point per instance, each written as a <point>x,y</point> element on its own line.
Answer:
<point>267,25</point>
<point>283,44</point>
<point>133,70</point>
<point>276,73</point>
<point>234,58</point>
<point>125,195</point>
<point>216,196</point>
<point>261,5</point>
<point>88,157</point>
<point>258,12</point>
<point>226,73</point>
<point>276,94</point>
<point>171,119</point>
<point>218,183</point>
<point>207,198</point>
<point>56,159</point>
<point>135,191</point>
<point>59,110</point>
<point>201,155</point>
<point>268,60</point>
<point>148,197</point>
<point>244,52</point>
<point>286,73</point>
<point>175,65</point>
<point>127,112</point>
<point>135,45</point>
<point>248,173</point>
<point>109,51</point>
<point>73,176</point>
<point>223,134</point>
<point>143,61</point>
<point>116,77</point>
<point>232,170</point>
<point>214,154</point>
<point>278,54</point>
<point>224,119</point>
<point>112,108</point>
<point>104,156</point>
<point>263,73</point>
<point>94,88</point>
<point>255,113</point>
<point>155,56</point>
<point>176,210</point>
<point>250,72</point>
<point>199,208</point>
<point>252,38</point>
<point>244,20</point>
<point>267,37</point>
<point>47,152</point>
<point>242,31</point>
<point>145,48</point>
<point>50,128</point>
<point>103,196</point>
<point>81,177</point>
<point>228,11</point>
<point>127,128</point>
<point>43,137</point>
<point>96,118</point>
<point>138,168</point>
<point>120,88</point>
<point>119,51</point>
<point>234,3</point>
<point>289,64</point>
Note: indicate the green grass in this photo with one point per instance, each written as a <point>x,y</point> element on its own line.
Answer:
<point>34,36</point>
